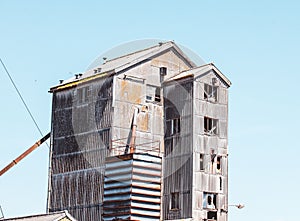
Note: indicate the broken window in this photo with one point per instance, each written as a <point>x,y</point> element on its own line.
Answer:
<point>174,204</point>
<point>210,93</point>
<point>201,161</point>
<point>210,126</point>
<point>153,93</point>
<point>212,215</point>
<point>175,126</point>
<point>209,200</point>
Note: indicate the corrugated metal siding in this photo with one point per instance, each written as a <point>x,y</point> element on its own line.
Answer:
<point>81,138</point>
<point>178,163</point>
<point>210,180</point>
<point>132,187</point>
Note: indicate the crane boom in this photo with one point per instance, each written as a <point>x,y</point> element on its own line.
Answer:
<point>23,155</point>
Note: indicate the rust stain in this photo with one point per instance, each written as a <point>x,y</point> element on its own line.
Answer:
<point>142,122</point>
<point>158,111</point>
<point>131,92</point>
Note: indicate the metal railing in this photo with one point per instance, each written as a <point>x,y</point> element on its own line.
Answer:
<point>121,146</point>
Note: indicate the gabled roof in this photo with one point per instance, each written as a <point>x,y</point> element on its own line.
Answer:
<point>57,216</point>
<point>198,71</point>
<point>121,63</point>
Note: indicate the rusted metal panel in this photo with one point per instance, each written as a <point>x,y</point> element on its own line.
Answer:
<point>143,122</point>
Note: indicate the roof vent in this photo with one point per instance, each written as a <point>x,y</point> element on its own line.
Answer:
<point>99,70</point>
<point>61,81</point>
<point>80,75</point>
<point>160,43</point>
<point>76,76</point>
<point>104,60</point>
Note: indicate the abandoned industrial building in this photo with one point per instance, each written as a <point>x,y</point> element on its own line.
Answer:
<point>141,137</point>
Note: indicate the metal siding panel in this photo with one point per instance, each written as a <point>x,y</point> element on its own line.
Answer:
<point>80,141</point>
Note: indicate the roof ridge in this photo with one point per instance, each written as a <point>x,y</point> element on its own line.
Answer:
<point>188,71</point>
<point>141,50</point>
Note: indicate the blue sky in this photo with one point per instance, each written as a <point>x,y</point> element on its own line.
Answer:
<point>254,43</point>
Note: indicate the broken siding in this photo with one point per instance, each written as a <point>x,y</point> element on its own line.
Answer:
<point>210,180</point>
<point>178,172</point>
<point>81,136</point>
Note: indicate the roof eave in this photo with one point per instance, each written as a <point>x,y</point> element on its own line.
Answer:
<point>80,81</point>
<point>221,75</point>
<point>224,79</point>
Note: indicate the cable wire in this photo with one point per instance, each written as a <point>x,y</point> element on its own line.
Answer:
<point>22,99</point>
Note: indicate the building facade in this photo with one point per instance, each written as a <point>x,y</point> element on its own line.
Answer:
<point>141,137</point>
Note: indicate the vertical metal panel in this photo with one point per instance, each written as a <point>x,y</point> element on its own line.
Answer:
<point>211,146</point>
<point>81,137</point>
<point>178,165</point>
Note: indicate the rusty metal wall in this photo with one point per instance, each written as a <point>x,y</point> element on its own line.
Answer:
<point>82,119</point>
<point>178,161</point>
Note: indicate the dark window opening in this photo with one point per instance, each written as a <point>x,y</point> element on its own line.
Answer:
<point>157,95</point>
<point>219,163</point>
<point>201,162</point>
<point>221,186</point>
<point>175,200</point>
<point>210,126</point>
<point>175,126</point>
<point>163,71</point>
<point>212,215</point>
<point>210,92</point>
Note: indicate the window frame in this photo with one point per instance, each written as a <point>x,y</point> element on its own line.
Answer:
<point>213,202</point>
<point>209,124</point>
<point>83,94</point>
<point>174,201</point>
<point>211,92</point>
<point>153,94</point>
<point>175,126</point>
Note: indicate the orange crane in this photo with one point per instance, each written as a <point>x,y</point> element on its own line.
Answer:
<point>23,155</point>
